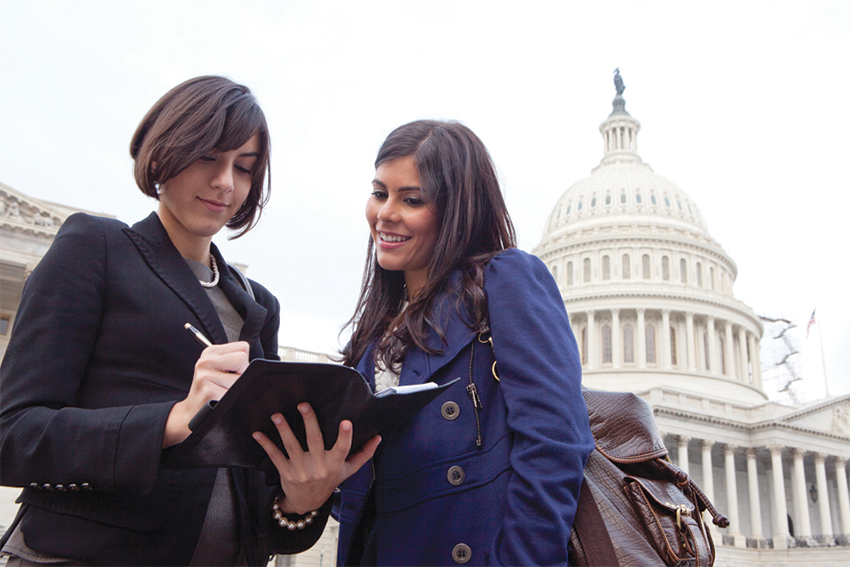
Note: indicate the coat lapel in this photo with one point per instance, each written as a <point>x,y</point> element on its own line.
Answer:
<point>418,366</point>
<point>165,261</point>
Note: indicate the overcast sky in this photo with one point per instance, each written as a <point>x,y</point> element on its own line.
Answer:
<point>742,105</point>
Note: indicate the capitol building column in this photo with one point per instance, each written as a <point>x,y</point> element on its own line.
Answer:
<point>751,342</point>
<point>641,337</point>
<point>799,493</point>
<point>591,339</point>
<point>732,495</point>
<point>756,364</point>
<point>616,349</point>
<point>689,340</point>
<point>780,510</point>
<point>755,500</point>
<point>743,371</point>
<point>843,497</point>
<point>664,339</point>
<point>729,347</point>
<point>707,484</point>
<point>683,452</point>
<point>823,495</point>
<point>711,350</point>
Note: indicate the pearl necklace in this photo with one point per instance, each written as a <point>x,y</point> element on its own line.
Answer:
<point>214,281</point>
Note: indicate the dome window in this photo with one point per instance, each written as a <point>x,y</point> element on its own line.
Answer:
<point>606,268</point>
<point>699,274</point>
<point>638,198</point>
<point>652,198</point>
<point>683,269</point>
<point>678,202</point>
<point>607,199</point>
<point>623,197</point>
<point>628,344</point>
<point>711,271</point>
<point>667,202</point>
<point>555,275</point>
<point>593,202</point>
<point>690,212</point>
<point>569,273</point>
<point>606,345</point>
<point>627,272</point>
<point>580,204</point>
<point>650,344</point>
<point>665,268</point>
<point>570,206</point>
<point>586,270</point>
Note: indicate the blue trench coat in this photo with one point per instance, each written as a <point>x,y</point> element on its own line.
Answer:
<point>443,500</point>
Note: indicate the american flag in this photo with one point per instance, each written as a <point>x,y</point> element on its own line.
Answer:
<point>811,322</point>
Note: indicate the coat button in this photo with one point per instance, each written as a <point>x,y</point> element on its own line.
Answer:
<point>461,553</point>
<point>86,486</point>
<point>60,487</point>
<point>456,475</point>
<point>47,486</point>
<point>450,411</point>
<point>73,487</point>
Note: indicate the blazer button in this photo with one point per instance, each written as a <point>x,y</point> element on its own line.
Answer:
<point>47,486</point>
<point>73,487</point>
<point>86,486</point>
<point>456,475</point>
<point>33,485</point>
<point>461,553</point>
<point>450,411</point>
<point>60,487</point>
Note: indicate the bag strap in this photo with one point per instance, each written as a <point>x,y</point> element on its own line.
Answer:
<point>592,532</point>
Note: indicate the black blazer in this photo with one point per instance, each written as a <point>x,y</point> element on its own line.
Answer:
<point>97,358</point>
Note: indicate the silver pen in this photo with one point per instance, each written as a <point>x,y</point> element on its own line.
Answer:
<point>198,336</point>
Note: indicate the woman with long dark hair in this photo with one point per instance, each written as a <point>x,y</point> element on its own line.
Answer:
<point>100,377</point>
<point>489,473</point>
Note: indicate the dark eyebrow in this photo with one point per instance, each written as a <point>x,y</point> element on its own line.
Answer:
<point>400,189</point>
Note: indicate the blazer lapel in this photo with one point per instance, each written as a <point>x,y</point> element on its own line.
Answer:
<point>252,312</point>
<point>165,261</point>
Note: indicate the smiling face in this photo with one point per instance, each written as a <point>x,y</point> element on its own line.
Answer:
<point>197,202</point>
<point>404,228</point>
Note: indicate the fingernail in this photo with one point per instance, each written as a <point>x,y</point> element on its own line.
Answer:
<point>346,426</point>
<point>277,419</point>
<point>256,436</point>
<point>303,408</point>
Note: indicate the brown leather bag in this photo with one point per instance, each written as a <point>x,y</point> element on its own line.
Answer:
<point>636,508</point>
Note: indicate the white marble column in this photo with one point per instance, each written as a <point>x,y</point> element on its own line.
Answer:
<point>591,339</point>
<point>756,364</point>
<point>707,469</point>
<point>640,335</point>
<point>780,510</point>
<point>755,499</point>
<point>664,339</point>
<point>712,346</point>
<point>689,340</point>
<point>683,452</point>
<point>823,495</point>
<point>751,341</point>
<point>744,372</point>
<point>732,491</point>
<point>843,498</point>
<point>729,347</point>
<point>804,523</point>
<point>616,334</point>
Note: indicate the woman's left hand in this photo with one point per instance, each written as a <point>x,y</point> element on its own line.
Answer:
<point>308,478</point>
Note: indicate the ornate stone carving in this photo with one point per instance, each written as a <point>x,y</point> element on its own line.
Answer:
<point>841,419</point>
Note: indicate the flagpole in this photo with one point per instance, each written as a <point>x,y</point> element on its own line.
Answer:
<point>823,362</point>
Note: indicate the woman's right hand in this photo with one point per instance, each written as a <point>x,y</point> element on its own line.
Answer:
<point>216,370</point>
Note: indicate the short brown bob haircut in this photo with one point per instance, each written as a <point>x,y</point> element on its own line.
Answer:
<point>203,115</point>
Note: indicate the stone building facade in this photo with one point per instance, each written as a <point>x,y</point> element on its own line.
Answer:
<point>650,297</point>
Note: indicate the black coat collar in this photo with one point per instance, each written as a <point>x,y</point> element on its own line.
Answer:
<point>165,261</point>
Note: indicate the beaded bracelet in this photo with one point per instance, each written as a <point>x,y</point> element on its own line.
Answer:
<point>285,522</point>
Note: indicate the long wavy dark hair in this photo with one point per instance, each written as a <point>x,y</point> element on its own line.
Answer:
<point>458,180</point>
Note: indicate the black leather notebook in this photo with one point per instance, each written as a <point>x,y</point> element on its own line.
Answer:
<point>221,432</point>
